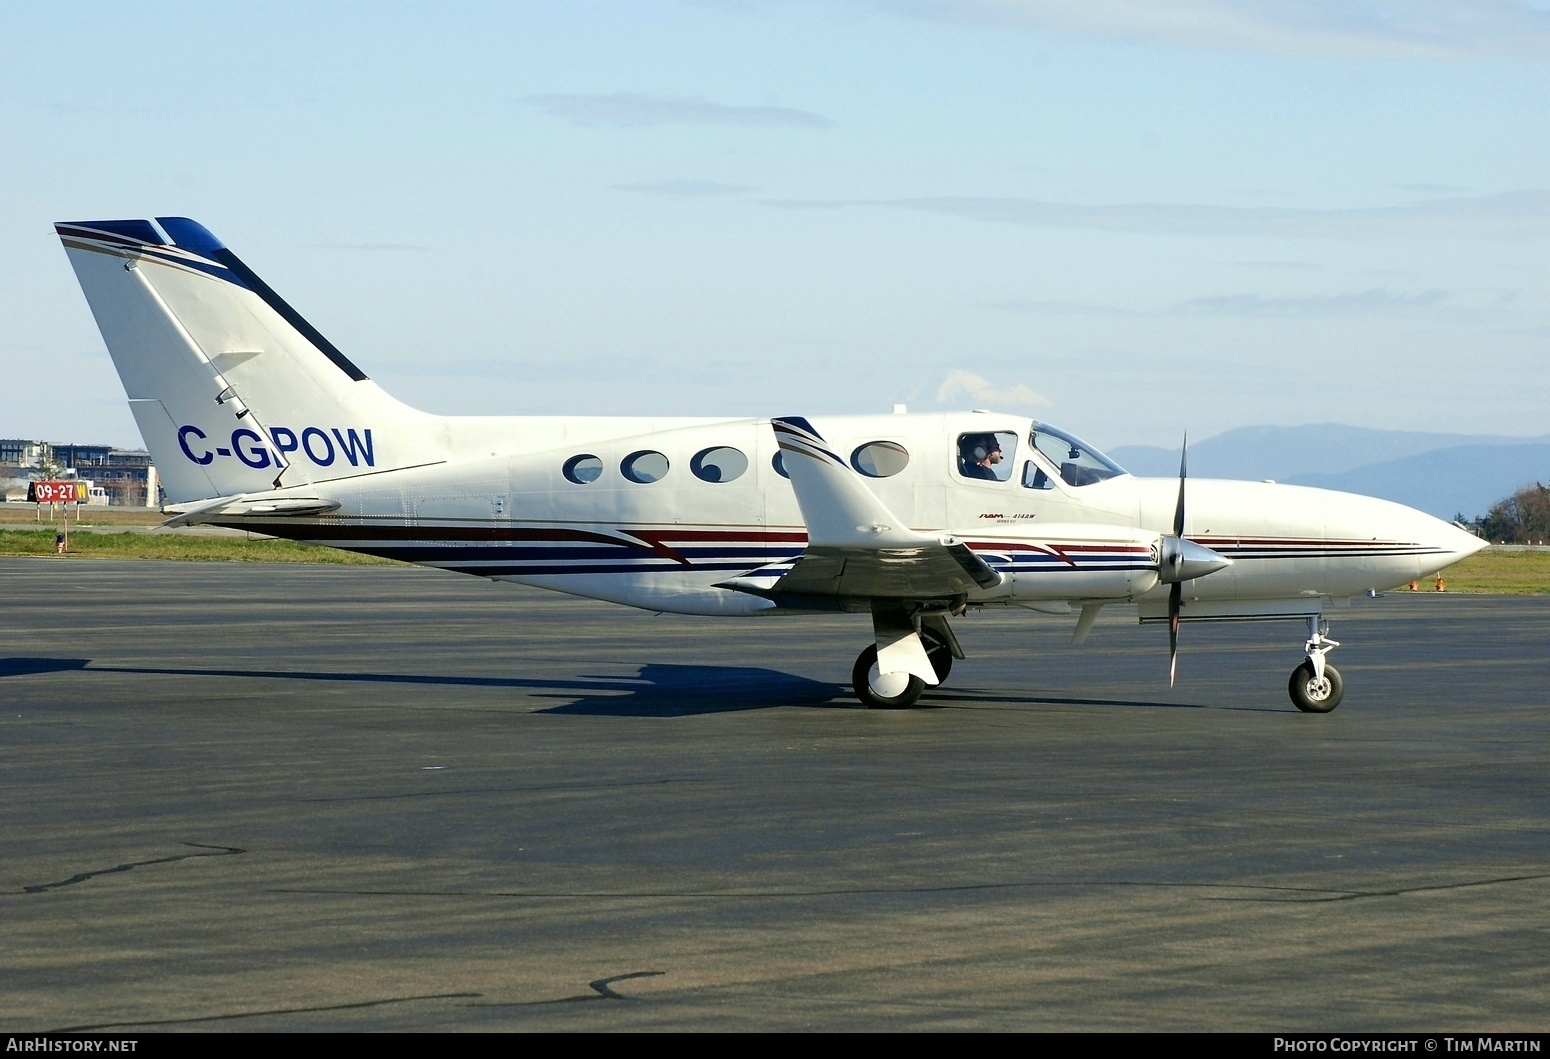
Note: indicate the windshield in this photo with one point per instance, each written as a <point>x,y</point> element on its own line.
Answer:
<point>1079,462</point>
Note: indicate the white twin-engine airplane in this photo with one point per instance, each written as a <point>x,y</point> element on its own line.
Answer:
<point>254,420</point>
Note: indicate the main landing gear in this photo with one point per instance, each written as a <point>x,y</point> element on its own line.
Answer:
<point>1316,686</point>
<point>899,691</point>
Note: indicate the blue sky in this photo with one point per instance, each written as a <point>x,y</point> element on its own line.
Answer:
<point>1126,217</point>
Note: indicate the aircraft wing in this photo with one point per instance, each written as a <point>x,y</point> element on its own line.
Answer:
<point>856,546</point>
<point>933,570</point>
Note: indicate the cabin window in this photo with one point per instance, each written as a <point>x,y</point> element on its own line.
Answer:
<point>987,456</point>
<point>720,464</point>
<point>779,465</point>
<point>583,469</point>
<point>1034,477</point>
<point>644,467</point>
<point>880,459</point>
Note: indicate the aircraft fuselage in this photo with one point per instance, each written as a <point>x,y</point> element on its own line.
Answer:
<point>663,545</point>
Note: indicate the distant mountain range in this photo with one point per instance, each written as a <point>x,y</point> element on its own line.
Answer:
<point>1442,474</point>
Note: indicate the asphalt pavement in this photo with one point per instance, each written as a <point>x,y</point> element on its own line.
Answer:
<point>253,796</point>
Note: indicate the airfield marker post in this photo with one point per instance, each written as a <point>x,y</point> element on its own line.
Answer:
<point>56,494</point>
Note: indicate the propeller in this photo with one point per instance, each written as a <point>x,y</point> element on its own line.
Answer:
<point>1176,590</point>
<point>1181,560</point>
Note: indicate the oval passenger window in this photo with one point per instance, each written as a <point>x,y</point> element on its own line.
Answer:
<point>644,467</point>
<point>583,469</point>
<point>720,464</point>
<point>779,465</point>
<point>880,459</point>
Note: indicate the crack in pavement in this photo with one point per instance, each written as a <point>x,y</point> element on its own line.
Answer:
<point>80,877</point>
<point>257,1014</point>
<point>1357,895</point>
<point>503,790</point>
<point>743,895</point>
<point>1315,893</point>
<point>600,991</point>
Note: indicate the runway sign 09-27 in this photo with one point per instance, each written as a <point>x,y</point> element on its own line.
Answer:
<point>56,492</point>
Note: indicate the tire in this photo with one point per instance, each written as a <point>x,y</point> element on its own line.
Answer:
<point>861,680</point>
<point>1307,693</point>
<point>939,653</point>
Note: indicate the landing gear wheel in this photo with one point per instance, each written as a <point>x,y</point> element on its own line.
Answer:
<point>896,691</point>
<point>1312,695</point>
<point>939,653</point>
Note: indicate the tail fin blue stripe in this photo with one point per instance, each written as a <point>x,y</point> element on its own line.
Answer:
<point>194,238</point>
<point>141,231</point>
<point>250,280</point>
<point>189,235</point>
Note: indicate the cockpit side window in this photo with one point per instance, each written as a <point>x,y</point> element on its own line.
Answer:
<point>987,456</point>
<point>1079,463</point>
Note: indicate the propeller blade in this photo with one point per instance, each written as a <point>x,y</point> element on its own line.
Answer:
<point>1175,602</point>
<point>1178,512</point>
<point>1176,590</point>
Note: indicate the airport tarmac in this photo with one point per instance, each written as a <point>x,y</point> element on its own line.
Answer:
<point>257,797</point>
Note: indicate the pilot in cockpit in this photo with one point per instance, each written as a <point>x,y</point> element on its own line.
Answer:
<point>978,455</point>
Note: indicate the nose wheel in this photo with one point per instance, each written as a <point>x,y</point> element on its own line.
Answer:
<point>1316,686</point>
<point>1313,693</point>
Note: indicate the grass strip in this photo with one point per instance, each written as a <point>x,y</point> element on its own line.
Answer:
<point>1498,573</point>
<point>179,546</point>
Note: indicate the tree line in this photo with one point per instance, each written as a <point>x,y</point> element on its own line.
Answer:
<point>1521,518</point>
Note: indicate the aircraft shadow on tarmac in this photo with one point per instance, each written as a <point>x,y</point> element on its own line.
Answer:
<point>25,667</point>
<point>658,689</point>
<point>1000,698</point>
<point>667,690</point>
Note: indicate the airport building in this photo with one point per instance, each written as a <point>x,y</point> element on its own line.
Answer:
<point>126,477</point>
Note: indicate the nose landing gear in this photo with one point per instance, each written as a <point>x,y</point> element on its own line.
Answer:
<point>1316,686</point>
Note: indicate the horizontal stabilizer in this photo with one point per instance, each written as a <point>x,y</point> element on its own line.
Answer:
<point>223,507</point>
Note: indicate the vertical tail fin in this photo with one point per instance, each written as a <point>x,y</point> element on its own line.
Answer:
<point>233,390</point>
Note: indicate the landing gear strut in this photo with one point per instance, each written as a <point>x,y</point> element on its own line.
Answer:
<point>939,651</point>
<point>1316,686</point>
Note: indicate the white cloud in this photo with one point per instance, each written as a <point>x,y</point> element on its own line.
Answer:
<point>683,188</point>
<point>1324,29</point>
<point>1356,303</point>
<point>966,383</point>
<point>1278,266</point>
<point>373,247</point>
<point>1374,302</point>
<point>1510,215</point>
<point>630,110</point>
